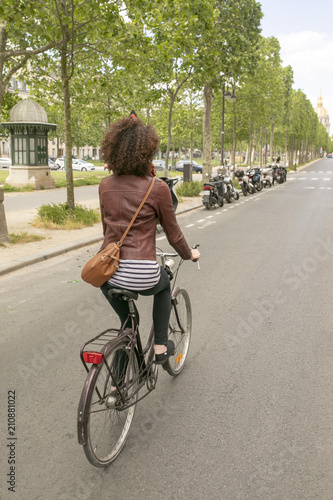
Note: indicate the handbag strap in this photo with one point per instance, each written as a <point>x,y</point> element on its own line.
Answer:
<point>120,242</point>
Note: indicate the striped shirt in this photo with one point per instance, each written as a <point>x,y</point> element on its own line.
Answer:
<point>136,274</point>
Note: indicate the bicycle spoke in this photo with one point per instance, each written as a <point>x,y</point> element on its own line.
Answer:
<point>180,326</point>
<point>109,418</point>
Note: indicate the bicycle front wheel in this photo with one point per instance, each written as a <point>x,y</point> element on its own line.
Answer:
<point>180,327</point>
<point>107,412</point>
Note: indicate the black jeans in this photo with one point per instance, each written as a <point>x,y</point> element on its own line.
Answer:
<point>161,307</point>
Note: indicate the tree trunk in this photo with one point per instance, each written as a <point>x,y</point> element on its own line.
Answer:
<point>255,145</point>
<point>266,144</point>
<point>272,141</point>
<point>207,137</point>
<point>173,97</point>
<point>68,129</point>
<point>191,155</point>
<point>250,144</point>
<point>261,128</point>
<point>234,143</point>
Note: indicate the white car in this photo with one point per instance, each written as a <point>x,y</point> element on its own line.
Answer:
<point>5,162</point>
<point>76,164</point>
<point>60,162</point>
<point>82,165</point>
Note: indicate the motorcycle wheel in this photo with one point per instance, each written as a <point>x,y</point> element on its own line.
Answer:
<point>227,197</point>
<point>244,190</point>
<point>252,189</point>
<point>259,186</point>
<point>207,205</point>
<point>236,195</point>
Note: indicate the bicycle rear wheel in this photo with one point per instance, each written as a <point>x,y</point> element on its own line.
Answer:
<point>180,327</point>
<point>106,416</point>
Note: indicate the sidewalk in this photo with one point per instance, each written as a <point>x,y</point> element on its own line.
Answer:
<point>56,242</point>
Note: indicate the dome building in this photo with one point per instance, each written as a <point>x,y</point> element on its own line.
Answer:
<point>323,114</point>
<point>28,127</point>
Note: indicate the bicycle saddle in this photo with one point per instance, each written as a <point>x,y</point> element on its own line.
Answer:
<point>122,294</point>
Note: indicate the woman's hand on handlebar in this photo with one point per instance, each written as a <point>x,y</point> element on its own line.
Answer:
<point>195,254</point>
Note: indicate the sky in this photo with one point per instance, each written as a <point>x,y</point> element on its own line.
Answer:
<point>305,32</point>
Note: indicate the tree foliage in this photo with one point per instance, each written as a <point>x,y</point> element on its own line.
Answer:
<point>90,62</point>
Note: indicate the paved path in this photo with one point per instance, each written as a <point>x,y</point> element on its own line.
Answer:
<point>55,242</point>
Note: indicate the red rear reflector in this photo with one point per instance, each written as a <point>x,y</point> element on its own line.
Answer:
<point>207,188</point>
<point>93,357</point>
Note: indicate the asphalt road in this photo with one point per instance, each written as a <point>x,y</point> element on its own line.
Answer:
<point>251,415</point>
<point>30,200</point>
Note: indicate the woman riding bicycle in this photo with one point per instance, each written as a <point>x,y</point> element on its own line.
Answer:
<point>128,148</point>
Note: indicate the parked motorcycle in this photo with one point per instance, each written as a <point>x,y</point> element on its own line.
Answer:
<point>244,182</point>
<point>267,177</point>
<point>230,190</point>
<point>255,178</point>
<point>284,172</point>
<point>171,182</point>
<point>278,175</point>
<point>213,192</point>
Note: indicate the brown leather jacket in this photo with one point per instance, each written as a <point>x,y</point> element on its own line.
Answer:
<point>120,196</point>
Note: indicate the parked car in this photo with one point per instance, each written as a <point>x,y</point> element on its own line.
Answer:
<point>5,162</point>
<point>76,164</point>
<point>329,155</point>
<point>60,161</point>
<point>195,166</point>
<point>160,165</point>
<point>82,165</point>
<point>53,165</point>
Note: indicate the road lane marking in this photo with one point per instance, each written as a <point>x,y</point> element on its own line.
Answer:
<point>209,223</point>
<point>309,187</point>
<point>161,238</point>
<point>326,179</point>
<point>314,178</point>
<point>189,225</point>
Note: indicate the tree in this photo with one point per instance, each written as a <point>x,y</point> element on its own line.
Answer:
<point>22,36</point>
<point>78,29</point>
<point>228,51</point>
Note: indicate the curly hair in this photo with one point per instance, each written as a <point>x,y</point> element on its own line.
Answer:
<point>128,147</point>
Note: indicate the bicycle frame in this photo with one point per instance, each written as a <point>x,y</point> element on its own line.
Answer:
<point>132,334</point>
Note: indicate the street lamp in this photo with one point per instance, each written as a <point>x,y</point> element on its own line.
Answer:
<point>231,97</point>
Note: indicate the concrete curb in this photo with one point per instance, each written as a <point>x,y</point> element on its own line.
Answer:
<point>37,257</point>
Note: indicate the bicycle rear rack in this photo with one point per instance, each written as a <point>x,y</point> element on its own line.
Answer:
<point>101,340</point>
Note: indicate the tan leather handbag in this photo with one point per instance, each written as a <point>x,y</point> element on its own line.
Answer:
<point>102,266</point>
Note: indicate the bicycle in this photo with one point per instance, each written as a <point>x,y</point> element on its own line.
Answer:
<point>122,367</point>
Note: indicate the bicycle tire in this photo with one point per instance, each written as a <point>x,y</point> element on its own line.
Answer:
<point>106,420</point>
<point>175,364</point>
